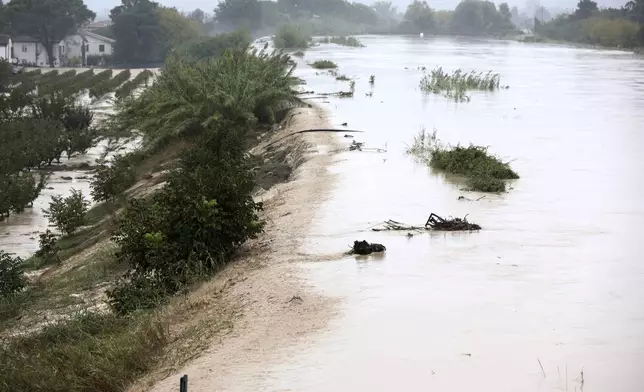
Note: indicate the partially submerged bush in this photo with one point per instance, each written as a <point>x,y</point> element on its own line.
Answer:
<point>471,161</point>
<point>346,41</point>
<point>67,214</point>
<point>485,172</point>
<point>324,64</point>
<point>290,36</point>
<point>87,353</point>
<point>12,278</point>
<point>456,85</point>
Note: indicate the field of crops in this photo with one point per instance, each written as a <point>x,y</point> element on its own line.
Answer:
<point>73,83</point>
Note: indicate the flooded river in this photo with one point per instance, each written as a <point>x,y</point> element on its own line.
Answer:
<point>553,284</point>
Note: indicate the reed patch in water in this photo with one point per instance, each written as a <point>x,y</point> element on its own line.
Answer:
<point>458,83</point>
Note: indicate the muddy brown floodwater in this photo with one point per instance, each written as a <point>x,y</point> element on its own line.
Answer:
<point>555,277</point>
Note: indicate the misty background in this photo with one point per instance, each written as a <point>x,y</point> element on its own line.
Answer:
<point>103,7</point>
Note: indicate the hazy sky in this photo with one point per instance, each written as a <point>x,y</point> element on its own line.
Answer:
<point>102,7</point>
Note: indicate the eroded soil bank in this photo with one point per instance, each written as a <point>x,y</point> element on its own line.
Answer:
<point>260,302</point>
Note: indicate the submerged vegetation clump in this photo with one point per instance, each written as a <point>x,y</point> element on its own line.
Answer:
<point>324,64</point>
<point>458,83</point>
<point>344,41</point>
<point>484,172</point>
<point>290,36</point>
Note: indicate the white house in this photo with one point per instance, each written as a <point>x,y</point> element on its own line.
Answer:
<point>27,50</point>
<point>95,45</point>
<point>5,47</point>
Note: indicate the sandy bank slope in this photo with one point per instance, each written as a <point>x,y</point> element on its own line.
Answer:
<point>275,305</point>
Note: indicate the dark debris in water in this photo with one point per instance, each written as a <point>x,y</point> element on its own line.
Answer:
<point>435,222</point>
<point>365,248</point>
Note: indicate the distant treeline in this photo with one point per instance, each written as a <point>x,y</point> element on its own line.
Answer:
<point>623,27</point>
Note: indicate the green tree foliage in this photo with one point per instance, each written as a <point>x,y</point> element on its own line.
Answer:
<point>145,32</point>
<point>49,21</point>
<point>111,180</point>
<point>240,87</point>
<point>607,27</point>
<point>67,214</point>
<point>137,31</point>
<point>585,9</point>
<point>474,17</point>
<point>193,226</point>
<point>420,16</point>
<point>12,278</point>
<point>291,36</point>
<point>239,14</point>
<point>206,47</point>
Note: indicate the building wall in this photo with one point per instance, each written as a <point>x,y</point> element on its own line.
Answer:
<point>5,52</point>
<point>30,53</point>
<point>73,46</point>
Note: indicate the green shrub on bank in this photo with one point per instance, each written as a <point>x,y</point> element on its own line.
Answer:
<point>324,64</point>
<point>12,278</point>
<point>193,226</point>
<point>291,36</point>
<point>111,180</point>
<point>88,353</point>
<point>67,214</point>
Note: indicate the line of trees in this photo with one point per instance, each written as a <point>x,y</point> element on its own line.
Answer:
<point>35,130</point>
<point>623,27</point>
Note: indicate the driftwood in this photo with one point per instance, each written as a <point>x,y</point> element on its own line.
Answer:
<point>455,224</point>
<point>434,222</point>
<point>365,248</point>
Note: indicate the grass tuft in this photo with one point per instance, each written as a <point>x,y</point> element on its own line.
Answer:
<point>455,85</point>
<point>89,352</point>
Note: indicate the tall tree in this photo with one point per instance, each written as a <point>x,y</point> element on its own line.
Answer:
<point>240,14</point>
<point>137,31</point>
<point>48,21</point>
<point>420,15</point>
<point>585,9</point>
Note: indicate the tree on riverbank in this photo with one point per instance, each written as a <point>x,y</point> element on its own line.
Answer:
<point>145,32</point>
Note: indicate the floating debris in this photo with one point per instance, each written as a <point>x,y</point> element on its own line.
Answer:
<point>348,135</point>
<point>434,222</point>
<point>365,248</point>
<point>454,224</point>
<point>356,146</point>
